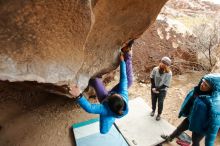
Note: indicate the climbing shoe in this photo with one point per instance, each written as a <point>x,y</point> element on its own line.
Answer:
<point>126,49</point>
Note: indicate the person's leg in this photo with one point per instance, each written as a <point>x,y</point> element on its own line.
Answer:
<point>196,138</point>
<point>161,97</point>
<point>154,102</point>
<point>99,87</point>
<point>181,128</point>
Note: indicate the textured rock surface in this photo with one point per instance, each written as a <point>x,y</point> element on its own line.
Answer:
<point>170,35</point>
<point>65,41</point>
<point>154,44</point>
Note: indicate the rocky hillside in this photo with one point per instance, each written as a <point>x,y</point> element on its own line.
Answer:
<point>169,35</point>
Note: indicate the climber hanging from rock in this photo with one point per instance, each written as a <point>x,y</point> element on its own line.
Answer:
<point>113,103</point>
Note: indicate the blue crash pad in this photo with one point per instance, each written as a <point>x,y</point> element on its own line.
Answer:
<point>87,134</point>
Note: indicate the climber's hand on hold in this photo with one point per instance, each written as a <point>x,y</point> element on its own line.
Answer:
<point>121,57</point>
<point>74,91</point>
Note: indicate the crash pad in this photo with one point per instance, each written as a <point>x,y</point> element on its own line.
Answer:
<point>87,134</point>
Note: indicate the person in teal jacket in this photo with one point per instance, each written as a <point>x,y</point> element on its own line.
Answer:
<point>201,108</point>
<point>113,103</point>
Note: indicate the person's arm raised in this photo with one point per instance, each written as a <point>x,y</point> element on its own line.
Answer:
<point>84,103</point>
<point>123,83</point>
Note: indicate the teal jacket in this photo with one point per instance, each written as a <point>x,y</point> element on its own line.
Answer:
<point>107,117</point>
<point>204,113</point>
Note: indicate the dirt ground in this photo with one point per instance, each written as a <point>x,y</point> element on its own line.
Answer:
<point>36,118</point>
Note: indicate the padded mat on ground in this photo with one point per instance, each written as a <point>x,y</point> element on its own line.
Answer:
<point>139,128</point>
<point>87,134</point>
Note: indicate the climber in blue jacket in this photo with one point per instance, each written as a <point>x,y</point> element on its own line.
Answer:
<point>201,108</point>
<point>113,103</point>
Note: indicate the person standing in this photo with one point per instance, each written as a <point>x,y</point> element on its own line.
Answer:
<point>201,109</point>
<point>160,81</point>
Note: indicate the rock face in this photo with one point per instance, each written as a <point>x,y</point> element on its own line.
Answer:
<point>68,41</point>
<point>156,42</point>
<point>172,35</point>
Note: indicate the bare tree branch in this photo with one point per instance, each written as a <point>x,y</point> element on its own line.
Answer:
<point>207,41</point>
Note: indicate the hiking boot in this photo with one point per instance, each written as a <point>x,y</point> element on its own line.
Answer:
<point>127,52</point>
<point>166,138</point>
<point>158,118</point>
<point>152,113</point>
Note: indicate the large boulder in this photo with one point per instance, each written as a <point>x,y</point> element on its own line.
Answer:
<point>68,41</point>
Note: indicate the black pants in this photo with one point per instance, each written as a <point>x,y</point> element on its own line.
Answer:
<point>196,138</point>
<point>160,97</point>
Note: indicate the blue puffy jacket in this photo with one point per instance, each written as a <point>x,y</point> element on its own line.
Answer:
<point>204,115</point>
<point>107,117</point>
